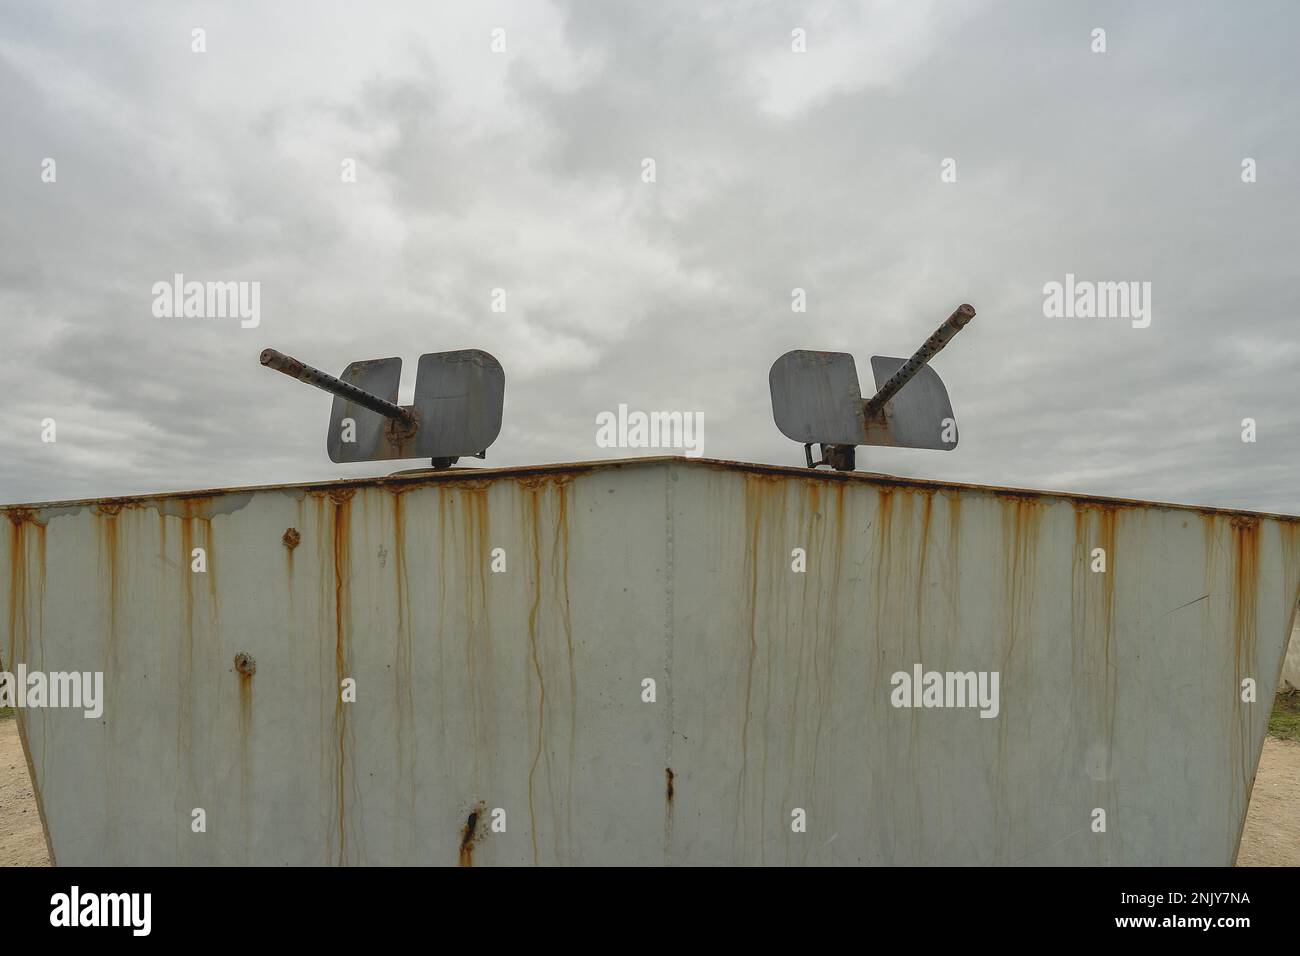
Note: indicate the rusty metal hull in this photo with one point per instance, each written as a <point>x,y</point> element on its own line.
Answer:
<point>500,716</point>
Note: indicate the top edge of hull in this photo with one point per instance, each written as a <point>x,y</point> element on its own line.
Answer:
<point>404,480</point>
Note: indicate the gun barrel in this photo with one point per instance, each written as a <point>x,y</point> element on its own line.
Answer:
<point>933,345</point>
<point>313,376</point>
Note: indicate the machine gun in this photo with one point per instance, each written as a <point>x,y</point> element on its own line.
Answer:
<point>456,412</point>
<point>816,399</point>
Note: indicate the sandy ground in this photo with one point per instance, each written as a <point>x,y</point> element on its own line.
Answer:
<point>22,843</point>
<point>1272,833</point>
<point>1271,837</point>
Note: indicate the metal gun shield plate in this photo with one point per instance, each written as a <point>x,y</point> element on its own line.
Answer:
<point>816,397</point>
<point>914,418</point>
<point>458,399</point>
<point>380,377</point>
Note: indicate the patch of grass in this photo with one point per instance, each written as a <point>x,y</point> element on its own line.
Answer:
<point>1284,722</point>
<point>6,713</point>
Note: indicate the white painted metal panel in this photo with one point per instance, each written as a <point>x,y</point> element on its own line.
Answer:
<point>522,690</point>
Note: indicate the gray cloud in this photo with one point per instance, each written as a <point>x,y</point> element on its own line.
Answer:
<point>775,170</point>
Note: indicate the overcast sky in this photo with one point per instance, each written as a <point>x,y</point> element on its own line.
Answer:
<point>775,170</point>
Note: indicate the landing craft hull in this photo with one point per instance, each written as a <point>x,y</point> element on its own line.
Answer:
<point>500,716</point>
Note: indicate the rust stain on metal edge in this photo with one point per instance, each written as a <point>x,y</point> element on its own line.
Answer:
<point>471,834</point>
<point>21,519</point>
<point>245,667</point>
<point>462,476</point>
<point>1244,604</point>
<point>342,553</point>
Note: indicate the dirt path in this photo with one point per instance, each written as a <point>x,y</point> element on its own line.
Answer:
<point>1272,833</point>
<point>1271,837</point>
<point>22,843</point>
